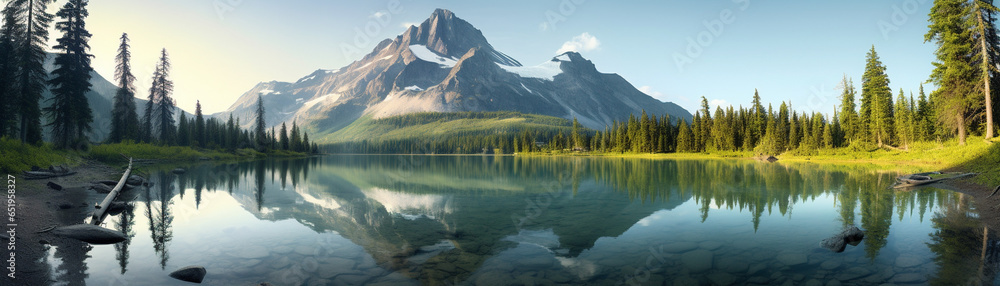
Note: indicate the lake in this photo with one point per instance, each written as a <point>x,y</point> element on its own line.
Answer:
<point>484,220</point>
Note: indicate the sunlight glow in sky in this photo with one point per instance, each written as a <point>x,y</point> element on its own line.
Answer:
<point>788,50</point>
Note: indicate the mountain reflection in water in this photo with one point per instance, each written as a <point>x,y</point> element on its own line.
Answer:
<point>494,220</point>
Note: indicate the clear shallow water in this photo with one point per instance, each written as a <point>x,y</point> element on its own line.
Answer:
<point>391,220</point>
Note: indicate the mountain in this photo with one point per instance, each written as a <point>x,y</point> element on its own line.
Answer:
<point>446,65</point>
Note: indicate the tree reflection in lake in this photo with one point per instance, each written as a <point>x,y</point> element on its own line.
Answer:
<point>456,219</point>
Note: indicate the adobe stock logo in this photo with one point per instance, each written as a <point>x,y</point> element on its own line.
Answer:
<point>899,16</point>
<point>713,29</point>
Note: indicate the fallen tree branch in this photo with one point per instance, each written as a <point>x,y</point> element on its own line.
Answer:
<point>104,206</point>
<point>994,192</point>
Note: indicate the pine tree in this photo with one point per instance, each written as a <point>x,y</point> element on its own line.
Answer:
<point>794,132</point>
<point>183,131</point>
<point>758,120</point>
<point>875,93</point>
<point>848,118</point>
<point>988,49</point>
<point>577,139</point>
<point>8,69</point>
<point>925,118</point>
<point>124,119</point>
<point>260,126</point>
<point>199,125</point>
<point>954,73</point>
<point>69,110</point>
<point>306,146</point>
<point>160,91</point>
<point>902,120</point>
<point>296,138</point>
<point>685,140</point>
<point>31,74</point>
<point>283,137</point>
<point>782,128</point>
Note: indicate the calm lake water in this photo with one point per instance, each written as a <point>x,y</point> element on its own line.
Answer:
<point>402,220</point>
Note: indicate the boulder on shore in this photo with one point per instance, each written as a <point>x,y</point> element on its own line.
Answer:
<point>101,188</point>
<point>192,273</point>
<point>118,207</point>
<point>135,180</point>
<point>90,234</point>
<point>106,182</point>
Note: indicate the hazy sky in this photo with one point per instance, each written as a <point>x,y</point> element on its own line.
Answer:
<point>674,50</point>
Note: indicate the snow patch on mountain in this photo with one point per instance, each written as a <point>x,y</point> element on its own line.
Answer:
<point>414,88</point>
<point>329,97</point>
<point>425,54</point>
<point>547,70</point>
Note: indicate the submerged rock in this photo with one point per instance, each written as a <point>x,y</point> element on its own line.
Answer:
<point>135,180</point>
<point>101,188</point>
<point>850,235</point>
<point>118,207</point>
<point>54,186</point>
<point>192,273</point>
<point>90,234</point>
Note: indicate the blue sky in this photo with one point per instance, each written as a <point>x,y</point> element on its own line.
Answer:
<point>788,50</point>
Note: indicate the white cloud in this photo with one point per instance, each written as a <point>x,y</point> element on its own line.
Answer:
<point>544,26</point>
<point>582,43</point>
<point>678,99</point>
<point>716,103</point>
<point>378,14</point>
<point>406,25</point>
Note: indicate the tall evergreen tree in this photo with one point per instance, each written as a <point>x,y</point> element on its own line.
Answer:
<point>283,137</point>
<point>31,74</point>
<point>161,90</point>
<point>758,120</point>
<point>988,49</point>
<point>954,73</point>
<point>183,131</point>
<point>577,139</point>
<point>9,32</point>
<point>875,93</point>
<point>685,140</point>
<point>848,113</point>
<point>124,119</point>
<point>199,125</point>
<point>782,128</point>
<point>903,120</point>
<point>295,138</point>
<point>260,126</point>
<point>69,110</point>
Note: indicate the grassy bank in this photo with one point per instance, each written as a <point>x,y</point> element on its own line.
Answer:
<point>16,156</point>
<point>978,155</point>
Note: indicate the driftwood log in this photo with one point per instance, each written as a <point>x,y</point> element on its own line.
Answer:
<point>994,192</point>
<point>920,179</point>
<point>101,209</point>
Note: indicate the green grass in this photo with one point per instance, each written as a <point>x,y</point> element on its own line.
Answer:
<point>437,124</point>
<point>114,152</point>
<point>977,155</point>
<point>16,156</point>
